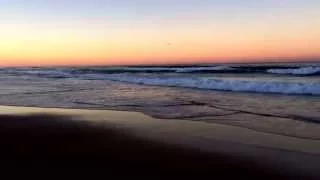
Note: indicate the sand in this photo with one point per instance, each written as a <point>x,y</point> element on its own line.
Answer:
<point>134,140</point>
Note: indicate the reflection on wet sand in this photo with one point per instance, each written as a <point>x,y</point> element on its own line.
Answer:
<point>133,140</point>
<point>296,116</point>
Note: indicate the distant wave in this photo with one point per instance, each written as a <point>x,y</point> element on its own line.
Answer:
<point>225,85</point>
<point>203,69</point>
<point>109,70</point>
<point>284,70</point>
<point>297,71</point>
<point>160,78</point>
<point>47,73</point>
<point>221,69</point>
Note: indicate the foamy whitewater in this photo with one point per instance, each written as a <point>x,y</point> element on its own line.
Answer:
<point>227,85</point>
<point>301,79</point>
<point>297,71</point>
<point>283,99</point>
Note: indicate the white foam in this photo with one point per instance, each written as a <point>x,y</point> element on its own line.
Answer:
<point>224,84</point>
<point>194,69</point>
<point>297,71</point>
<point>168,69</point>
<point>43,73</point>
<point>145,69</point>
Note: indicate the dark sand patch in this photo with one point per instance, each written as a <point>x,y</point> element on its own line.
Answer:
<point>58,140</point>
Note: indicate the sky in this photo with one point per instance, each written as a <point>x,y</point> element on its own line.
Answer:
<point>126,32</point>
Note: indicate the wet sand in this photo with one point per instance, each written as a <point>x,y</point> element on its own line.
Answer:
<point>128,140</point>
<point>296,116</point>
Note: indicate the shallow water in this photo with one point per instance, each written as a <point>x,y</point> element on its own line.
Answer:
<point>288,78</point>
<point>291,115</point>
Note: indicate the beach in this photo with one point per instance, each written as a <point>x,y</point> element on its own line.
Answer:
<point>134,140</point>
<point>185,89</point>
<point>241,120</point>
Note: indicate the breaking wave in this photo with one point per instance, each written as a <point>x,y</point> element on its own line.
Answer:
<point>225,85</point>
<point>186,76</point>
<point>297,71</point>
<point>202,69</point>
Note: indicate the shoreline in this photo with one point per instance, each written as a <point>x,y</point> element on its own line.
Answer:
<point>267,150</point>
<point>119,118</point>
<point>284,115</point>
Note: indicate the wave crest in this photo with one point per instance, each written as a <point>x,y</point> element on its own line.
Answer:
<point>226,85</point>
<point>297,71</point>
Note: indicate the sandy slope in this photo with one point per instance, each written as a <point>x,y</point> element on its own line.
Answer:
<point>129,137</point>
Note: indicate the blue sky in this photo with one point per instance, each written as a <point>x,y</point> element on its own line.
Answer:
<point>138,8</point>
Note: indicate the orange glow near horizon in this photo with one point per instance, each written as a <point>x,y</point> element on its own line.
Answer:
<point>39,43</point>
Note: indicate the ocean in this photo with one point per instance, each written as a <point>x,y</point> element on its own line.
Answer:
<point>289,78</point>
<point>264,97</point>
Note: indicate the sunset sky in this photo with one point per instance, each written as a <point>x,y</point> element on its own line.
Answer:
<point>118,32</point>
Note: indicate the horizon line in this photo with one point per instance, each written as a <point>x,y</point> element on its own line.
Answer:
<point>239,61</point>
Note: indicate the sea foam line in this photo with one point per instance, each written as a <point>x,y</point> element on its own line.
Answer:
<point>225,85</point>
